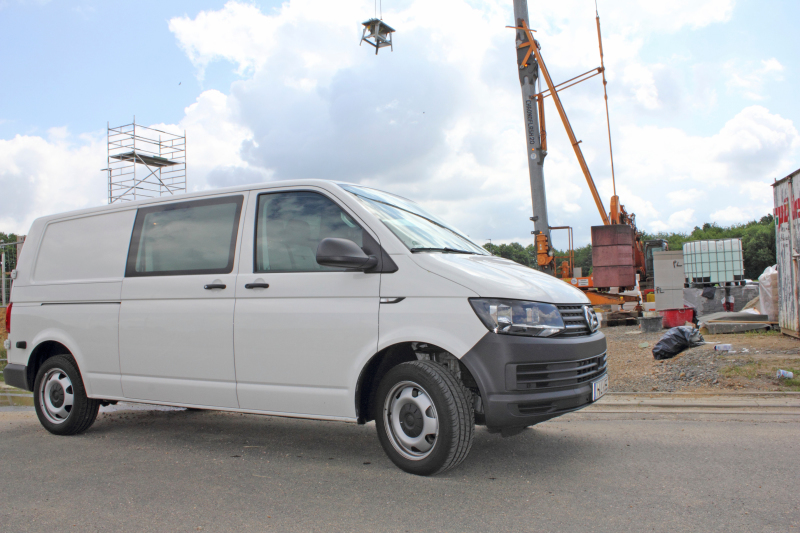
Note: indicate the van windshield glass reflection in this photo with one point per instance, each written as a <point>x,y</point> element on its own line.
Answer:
<point>419,230</point>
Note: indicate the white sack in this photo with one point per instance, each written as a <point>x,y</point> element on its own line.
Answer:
<point>768,292</point>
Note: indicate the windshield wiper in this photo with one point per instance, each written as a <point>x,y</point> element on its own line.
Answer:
<point>443,250</point>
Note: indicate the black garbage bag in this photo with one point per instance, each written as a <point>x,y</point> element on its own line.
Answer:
<point>677,340</point>
<point>709,293</point>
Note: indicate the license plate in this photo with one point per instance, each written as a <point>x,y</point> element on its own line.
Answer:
<point>599,388</point>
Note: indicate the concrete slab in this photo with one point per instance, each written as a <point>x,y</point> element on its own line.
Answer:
<point>715,328</point>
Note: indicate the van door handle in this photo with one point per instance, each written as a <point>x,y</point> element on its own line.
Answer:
<point>214,286</point>
<point>256,286</point>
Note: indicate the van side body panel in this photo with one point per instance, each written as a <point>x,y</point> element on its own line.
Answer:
<point>176,336</point>
<point>434,310</point>
<point>67,290</point>
<point>84,249</point>
<point>89,331</point>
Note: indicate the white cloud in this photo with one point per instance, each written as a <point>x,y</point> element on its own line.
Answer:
<point>735,165</point>
<point>239,33</point>
<point>736,215</point>
<point>679,221</point>
<point>214,137</point>
<point>640,79</point>
<point>45,175</point>
<point>749,81</point>
<point>61,171</point>
<point>686,196</point>
<point>439,119</point>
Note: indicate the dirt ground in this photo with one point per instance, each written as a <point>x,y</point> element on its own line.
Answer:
<point>751,364</point>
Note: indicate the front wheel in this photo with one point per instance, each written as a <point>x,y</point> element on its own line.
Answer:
<point>425,422</point>
<point>60,398</point>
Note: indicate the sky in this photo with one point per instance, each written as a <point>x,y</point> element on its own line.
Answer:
<point>702,103</point>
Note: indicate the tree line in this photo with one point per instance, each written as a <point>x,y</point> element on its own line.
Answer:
<point>758,245</point>
<point>10,251</point>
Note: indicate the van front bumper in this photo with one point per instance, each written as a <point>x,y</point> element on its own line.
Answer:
<point>527,380</point>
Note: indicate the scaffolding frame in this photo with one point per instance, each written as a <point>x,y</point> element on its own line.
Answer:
<point>144,162</point>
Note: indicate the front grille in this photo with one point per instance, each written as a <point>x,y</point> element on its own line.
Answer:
<point>544,376</point>
<point>574,320</point>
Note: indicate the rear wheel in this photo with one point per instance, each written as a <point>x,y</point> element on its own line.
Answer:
<point>425,422</point>
<point>60,397</point>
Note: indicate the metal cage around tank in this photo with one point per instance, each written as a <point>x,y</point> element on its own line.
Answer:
<point>712,262</point>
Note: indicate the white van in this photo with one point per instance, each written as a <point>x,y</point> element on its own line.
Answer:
<point>308,299</point>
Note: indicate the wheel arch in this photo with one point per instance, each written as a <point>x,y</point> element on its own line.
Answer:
<point>384,360</point>
<point>43,351</point>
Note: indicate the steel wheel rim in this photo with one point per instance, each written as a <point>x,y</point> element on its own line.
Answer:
<point>408,408</point>
<point>56,396</point>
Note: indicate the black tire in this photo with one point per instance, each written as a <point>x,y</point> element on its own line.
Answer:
<point>401,406</point>
<point>58,383</point>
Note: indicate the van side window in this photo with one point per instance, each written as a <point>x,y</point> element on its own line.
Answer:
<point>289,226</point>
<point>195,237</point>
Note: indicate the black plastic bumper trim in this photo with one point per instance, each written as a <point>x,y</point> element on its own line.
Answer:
<point>487,362</point>
<point>16,376</point>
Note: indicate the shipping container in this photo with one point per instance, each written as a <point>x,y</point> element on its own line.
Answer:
<point>787,243</point>
<point>715,261</point>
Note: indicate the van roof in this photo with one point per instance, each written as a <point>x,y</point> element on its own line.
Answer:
<point>179,197</point>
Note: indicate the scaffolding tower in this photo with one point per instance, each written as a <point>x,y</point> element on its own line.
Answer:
<point>144,163</point>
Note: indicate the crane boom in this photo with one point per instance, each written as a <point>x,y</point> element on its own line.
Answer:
<point>609,269</point>
<point>534,153</point>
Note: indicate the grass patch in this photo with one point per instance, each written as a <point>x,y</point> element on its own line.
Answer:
<point>763,333</point>
<point>747,371</point>
<point>793,383</point>
<point>754,370</point>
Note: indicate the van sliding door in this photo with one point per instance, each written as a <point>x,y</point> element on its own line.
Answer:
<point>176,316</point>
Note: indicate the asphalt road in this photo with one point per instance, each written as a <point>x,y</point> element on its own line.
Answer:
<point>176,470</point>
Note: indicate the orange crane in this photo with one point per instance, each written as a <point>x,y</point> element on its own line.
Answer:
<point>618,250</point>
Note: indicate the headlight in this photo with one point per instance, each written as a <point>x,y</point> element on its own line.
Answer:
<point>518,317</point>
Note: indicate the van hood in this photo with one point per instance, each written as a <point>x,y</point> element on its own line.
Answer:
<point>495,277</point>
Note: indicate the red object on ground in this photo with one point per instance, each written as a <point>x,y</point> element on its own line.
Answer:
<point>672,318</point>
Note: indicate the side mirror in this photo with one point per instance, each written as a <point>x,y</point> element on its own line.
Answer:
<point>343,253</point>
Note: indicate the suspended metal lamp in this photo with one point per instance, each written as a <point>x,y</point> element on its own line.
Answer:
<point>379,36</point>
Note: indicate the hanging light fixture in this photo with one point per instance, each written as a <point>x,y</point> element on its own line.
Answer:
<point>376,32</point>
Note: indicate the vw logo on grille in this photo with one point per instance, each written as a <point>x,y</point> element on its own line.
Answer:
<point>591,318</point>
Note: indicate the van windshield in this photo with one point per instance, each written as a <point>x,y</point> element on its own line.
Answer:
<point>419,230</point>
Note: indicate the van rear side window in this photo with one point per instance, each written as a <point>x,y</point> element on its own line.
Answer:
<point>195,237</point>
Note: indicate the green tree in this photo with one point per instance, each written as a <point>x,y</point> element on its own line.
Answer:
<point>514,251</point>
<point>10,251</point>
<point>758,245</point>
<point>758,241</point>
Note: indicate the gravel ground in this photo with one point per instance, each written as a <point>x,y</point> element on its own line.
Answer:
<point>750,365</point>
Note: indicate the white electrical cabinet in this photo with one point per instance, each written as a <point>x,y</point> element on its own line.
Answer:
<point>669,278</point>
